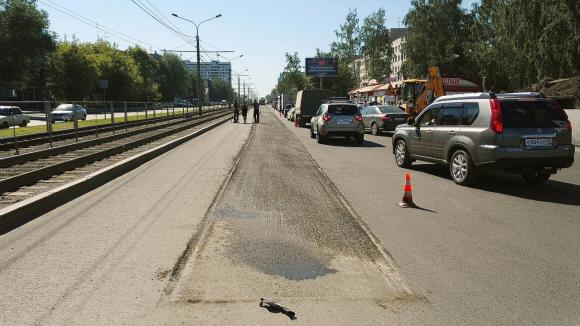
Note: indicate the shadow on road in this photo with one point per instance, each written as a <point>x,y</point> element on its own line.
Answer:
<point>553,191</point>
<point>351,143</point>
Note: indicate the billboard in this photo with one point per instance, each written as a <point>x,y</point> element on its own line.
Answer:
<point>322,67</point>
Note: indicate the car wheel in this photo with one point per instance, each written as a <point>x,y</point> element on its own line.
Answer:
<point>84,117</point>
<point>461,168</point>
<point>402,154</point>
<point>374,129</point>
<point>319,137</point>
<point>312,134</point>
<point>536,177</point>
<point>5,125</point>
<point>24,124</point>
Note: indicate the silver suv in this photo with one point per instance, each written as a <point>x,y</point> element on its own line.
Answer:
<point>337,119</point>
<point>518,132</point>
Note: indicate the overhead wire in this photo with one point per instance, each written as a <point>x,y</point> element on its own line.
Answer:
<point>153,15</point>
<point>92,23</point>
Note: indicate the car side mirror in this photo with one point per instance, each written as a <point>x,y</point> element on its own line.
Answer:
<point>411,121</point>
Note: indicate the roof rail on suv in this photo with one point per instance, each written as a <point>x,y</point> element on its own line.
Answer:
<point>521,94</point>
<point>338,100</point>
<point>466,96</point>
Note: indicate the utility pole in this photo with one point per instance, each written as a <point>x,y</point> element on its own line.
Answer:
<point>239,89</point>
<point>199,103</point>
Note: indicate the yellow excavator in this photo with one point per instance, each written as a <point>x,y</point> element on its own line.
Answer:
<point>417,94</point>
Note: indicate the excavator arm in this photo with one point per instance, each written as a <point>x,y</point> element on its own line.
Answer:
<point>432,90</point>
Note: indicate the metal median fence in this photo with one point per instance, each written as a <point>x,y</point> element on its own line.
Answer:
<point>26,122</point>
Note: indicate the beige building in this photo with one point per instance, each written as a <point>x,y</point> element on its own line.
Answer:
<point>397,36</point>
<point>397,41</point>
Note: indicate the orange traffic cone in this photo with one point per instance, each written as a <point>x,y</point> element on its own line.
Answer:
<point>408,195</point>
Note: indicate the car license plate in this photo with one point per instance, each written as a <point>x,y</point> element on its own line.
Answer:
<point>538,142</point>
<point>343,121</point>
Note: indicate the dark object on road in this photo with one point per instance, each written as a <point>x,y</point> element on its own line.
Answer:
<point>407,201</point>
<point>276,308</point>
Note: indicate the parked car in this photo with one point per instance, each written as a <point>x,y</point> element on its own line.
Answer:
<point>291,114</point>
<point>287,108</point>
<point>383,118</point>
<point>471,133</point>
<point>307,103</point>
<point>337,119</point>
<point>12,116</point>
<point>68,112</point>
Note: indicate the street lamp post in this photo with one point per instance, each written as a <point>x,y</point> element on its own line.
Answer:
<point>199,103</point>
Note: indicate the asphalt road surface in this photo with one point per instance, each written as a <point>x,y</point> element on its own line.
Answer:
<point>199,234</point>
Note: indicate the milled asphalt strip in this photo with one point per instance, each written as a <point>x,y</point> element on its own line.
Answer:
<point>388,266</point>
<point>206,223</point>
<point>28,209</point>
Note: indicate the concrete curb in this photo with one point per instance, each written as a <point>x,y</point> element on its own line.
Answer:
<point>20,213</point>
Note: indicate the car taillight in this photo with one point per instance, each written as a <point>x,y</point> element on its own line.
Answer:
<point>358,117</point>
<point>385,118</point>
<point>496,121</point>
<point>326,117</point>
<point>564,114</point>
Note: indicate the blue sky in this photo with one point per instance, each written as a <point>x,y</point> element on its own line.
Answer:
<point>261,30</point>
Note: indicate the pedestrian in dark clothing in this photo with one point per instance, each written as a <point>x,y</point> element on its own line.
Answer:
<point>245,111</point>
<point>236,111</point>
<point>256,111</point>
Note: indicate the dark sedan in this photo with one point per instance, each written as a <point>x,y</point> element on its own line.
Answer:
<point>383,118</point>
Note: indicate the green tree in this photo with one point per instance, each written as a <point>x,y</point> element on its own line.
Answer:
<point>376,49</point>
<point>293,78</point>
<point>437,32</point>
<point>174,79</point>
<point>148,69</point>
<point>348,46</point>
<point>119,68</point>
<point>220,90</point>
<point>25,42</point>
<point>515,43</point>
<point>73,75</point>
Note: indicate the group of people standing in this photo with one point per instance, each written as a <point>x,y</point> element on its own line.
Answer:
<point>256,107</point>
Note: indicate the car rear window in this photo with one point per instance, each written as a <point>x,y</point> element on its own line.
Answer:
<point>531,114</point>
<point>343,109</point>
<point>64,107</point>
<point>390,109</point>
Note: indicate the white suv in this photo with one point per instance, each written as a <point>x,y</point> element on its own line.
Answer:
<point>12,116</point>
